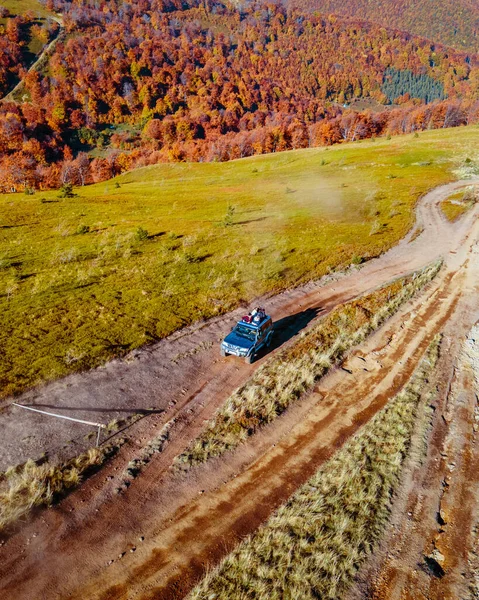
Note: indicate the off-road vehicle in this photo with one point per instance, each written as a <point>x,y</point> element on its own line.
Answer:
<point>249,335</point>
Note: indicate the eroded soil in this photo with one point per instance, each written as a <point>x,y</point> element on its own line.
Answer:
<point>431,548</point>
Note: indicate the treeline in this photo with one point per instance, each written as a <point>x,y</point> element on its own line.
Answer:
<point>454,24</point>
<point>27,168</point>
<point>163,80</point>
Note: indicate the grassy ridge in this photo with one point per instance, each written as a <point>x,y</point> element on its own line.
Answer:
<point>314,545</point>
<point>79,285</point>
<point>292,372</point>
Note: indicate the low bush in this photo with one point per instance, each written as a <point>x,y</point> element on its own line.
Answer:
<point>66,191</point>
<point>82,229</point>
<point>141,234</point>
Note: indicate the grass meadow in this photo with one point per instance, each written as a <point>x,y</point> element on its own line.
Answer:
<point>18,7</point>
<point>131,260</point>
<point>313,546</point>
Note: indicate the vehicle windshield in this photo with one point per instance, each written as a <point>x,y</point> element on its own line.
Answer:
<point>245,332</point>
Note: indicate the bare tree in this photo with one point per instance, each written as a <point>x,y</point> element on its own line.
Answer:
<point>83,167</point>
<point>67,173</point>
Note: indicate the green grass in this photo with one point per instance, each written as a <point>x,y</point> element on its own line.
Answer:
<point>19,7</point>
<point>71,301</point>
<point>295,370</point>
<point>315,544</point>
<point>458,204</point>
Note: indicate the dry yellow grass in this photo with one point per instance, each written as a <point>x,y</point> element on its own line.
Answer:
<point>32,484</point>
<point>292,372</point>
<point>314,545</point>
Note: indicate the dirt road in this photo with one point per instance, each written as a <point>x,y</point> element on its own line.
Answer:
<point>431,548</point>
<point>185,369</point>
<point>156,537</point>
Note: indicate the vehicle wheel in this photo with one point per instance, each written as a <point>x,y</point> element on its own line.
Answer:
<point>249,359</point>
<point>223,352</point>
<point>269,340</point>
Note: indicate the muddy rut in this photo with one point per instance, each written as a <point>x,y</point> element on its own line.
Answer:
<point>155,538</point>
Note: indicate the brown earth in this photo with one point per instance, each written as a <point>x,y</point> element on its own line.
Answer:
<point>156,537</point>
<point>431,548</point>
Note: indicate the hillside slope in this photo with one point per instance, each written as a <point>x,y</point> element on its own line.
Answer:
<point>94,276</point>
<point>161,532</point>
<point>455,24</point>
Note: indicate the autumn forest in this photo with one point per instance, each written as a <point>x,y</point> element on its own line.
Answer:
<point>134,83</point>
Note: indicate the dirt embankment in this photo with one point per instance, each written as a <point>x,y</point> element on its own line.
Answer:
<point>431,548</point>
<point>158,536</point>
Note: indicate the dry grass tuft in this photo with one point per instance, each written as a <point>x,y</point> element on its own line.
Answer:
<point>294,371</point>
<point>33,484</point>
<point>314,545</point>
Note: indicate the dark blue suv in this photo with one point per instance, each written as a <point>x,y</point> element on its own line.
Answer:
<point>249,335</point>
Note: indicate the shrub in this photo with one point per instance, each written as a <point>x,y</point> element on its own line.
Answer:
<point>82,229</point>
<point>141,234</point>
<point>66,191</point>
<point>230,213</point>
<point>192,258</point>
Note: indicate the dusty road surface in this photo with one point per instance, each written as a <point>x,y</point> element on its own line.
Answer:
<point>156,537</point>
